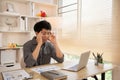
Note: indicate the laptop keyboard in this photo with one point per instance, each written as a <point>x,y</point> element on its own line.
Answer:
<point>74,66</point>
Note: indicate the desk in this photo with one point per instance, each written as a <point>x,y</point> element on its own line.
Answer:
<point>88,71</point>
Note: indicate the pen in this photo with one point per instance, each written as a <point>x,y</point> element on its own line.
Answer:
<point>94,56</point>
<point>9,65</point>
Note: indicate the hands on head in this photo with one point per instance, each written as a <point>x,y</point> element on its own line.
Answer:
<point>39,38</point>
<point>52,38</point>
<point>44,36</point>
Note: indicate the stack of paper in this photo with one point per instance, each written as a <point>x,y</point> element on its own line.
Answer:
<point>45,68</point>
<point>16,75</point>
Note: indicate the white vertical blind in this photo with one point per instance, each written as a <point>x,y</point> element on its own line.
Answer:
<point>96,27</point>
<point>96,22</point>
<point>99,29</point>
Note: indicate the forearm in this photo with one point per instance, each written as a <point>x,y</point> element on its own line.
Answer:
<point>30,61</point>
<point>59,54</point>
<point>36,51</point>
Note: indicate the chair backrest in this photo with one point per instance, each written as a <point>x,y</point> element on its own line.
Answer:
<point>22,63</point>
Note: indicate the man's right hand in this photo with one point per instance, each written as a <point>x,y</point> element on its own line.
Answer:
<point>39,38</point>
<point>37,49</point>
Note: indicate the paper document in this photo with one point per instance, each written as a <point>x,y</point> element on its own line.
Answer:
<point>15,75</point>
<point>45,68</point>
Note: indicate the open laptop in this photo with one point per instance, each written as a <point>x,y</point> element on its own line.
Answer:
<point>82,62</point>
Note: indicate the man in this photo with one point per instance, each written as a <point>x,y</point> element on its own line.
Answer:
<point>42,47</point>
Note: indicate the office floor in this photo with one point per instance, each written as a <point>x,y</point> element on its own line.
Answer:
<point>108,75</point>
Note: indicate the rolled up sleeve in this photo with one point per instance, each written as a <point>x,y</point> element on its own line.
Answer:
<point>28,58</point>
<point>59,60</point>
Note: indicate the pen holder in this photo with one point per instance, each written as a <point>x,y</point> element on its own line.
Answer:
<point>98,58</point>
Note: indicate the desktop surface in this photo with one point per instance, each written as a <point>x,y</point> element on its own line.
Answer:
<point>90,70</point>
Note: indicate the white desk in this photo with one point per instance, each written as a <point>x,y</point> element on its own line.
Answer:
<point>88,71</point>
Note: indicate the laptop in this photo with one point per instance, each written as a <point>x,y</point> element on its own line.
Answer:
<point>81,64</point>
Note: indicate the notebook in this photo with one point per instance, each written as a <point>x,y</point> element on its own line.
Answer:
<point>82,62</point>
<point>54,75</point>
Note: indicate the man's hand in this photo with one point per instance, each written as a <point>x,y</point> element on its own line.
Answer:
<point>39,38</point>
<point>52,38</point>
<point>37,49</point>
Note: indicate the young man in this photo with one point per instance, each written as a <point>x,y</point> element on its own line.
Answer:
<point>42,47</point>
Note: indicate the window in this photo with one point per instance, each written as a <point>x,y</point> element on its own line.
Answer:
<point>68,10</point>
<point>94,23</point>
